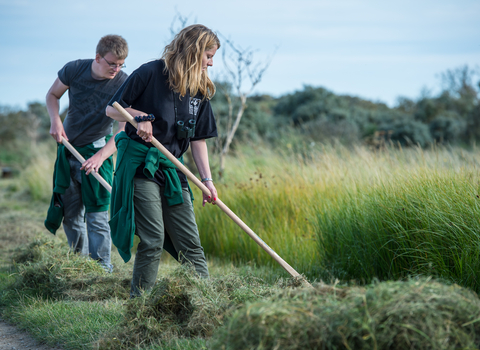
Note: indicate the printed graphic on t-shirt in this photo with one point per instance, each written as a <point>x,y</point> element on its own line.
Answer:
<point>194,105</point>
<point>100,142</point>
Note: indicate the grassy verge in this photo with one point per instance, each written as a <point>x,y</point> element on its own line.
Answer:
<point>73,324</point>
<point>67,299</point>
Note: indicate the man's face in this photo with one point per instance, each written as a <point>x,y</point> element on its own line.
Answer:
<point>109,64</point>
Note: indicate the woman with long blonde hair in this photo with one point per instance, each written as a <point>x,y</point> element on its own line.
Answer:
<point>170,100</point>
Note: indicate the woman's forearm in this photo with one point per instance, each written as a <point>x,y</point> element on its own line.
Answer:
<point>114,114</point>
<point>200,156</point>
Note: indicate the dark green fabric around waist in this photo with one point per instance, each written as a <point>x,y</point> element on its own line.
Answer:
<point>95,197</point>
<point>130,155</point>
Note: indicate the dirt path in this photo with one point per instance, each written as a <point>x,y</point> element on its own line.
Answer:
<point>12,338</point>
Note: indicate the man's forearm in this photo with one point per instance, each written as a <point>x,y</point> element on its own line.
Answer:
<point>53,109</point>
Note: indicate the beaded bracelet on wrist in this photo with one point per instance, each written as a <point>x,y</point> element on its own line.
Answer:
<point>144,118</point>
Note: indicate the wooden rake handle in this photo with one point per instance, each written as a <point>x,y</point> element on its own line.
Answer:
<point>218,202</point>
<point>82,160</point>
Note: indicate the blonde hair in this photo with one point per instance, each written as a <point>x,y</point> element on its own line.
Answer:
<point>114,44</point>
<point>183,60</point>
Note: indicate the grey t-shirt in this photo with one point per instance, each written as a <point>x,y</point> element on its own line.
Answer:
<point>86,121</point>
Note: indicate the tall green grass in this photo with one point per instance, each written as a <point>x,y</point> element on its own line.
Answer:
<point>352,213</point>
<point>417,214</point>
<point>36,177</point>
<point>274,195</point>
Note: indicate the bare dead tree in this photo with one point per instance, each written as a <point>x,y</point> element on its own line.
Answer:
<point>178,23</point>
<point>242,73</point>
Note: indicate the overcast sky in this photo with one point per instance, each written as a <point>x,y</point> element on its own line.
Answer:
<point>377,50</point>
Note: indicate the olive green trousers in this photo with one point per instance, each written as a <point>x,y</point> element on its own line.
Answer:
<point>158,224</point>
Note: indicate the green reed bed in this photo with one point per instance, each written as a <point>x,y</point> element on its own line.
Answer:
<point>417,215</point>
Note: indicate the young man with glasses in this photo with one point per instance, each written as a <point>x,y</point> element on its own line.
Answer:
<point>78,198</point>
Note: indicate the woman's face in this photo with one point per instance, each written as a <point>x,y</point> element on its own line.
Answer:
<point>207,58</point>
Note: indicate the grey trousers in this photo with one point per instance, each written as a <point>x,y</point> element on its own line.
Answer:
<point>154,219</point>
<point>87,233</point>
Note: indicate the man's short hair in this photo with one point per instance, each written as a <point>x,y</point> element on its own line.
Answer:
<point>114,44</point>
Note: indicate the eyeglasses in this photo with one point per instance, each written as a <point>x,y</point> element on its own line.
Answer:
<point>113,65</point>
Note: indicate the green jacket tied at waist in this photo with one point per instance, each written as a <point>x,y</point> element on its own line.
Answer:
<point>130,155</point>
<point>95,197</point>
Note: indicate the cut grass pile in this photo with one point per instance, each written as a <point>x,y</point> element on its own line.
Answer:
<point>48,283</point>
<point>48,269</point>
<point>414,314</point>
<point>183,306</point>
<point>60,297</point>
<point>54,289</point>
<point>232,311</point>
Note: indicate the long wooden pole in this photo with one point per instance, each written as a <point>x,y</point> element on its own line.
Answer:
<point>218,202</point>
<point>82,160</point>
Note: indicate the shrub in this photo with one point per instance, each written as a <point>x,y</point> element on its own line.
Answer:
<point>446,128</point>
<point>407,131</point>
<point>327,129</point>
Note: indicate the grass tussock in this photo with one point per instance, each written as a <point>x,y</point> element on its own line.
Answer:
<point>414,314</point>
<point>48,269</point>
<point>183,306</point>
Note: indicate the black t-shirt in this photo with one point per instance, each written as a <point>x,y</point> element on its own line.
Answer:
<point>86,121</point>
<point>147,90</point>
